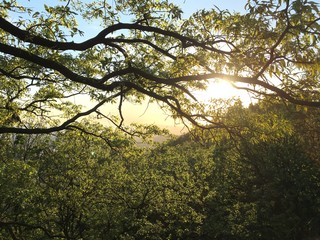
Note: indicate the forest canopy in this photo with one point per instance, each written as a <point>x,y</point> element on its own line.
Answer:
<point>148,49</point>
<point>240,173</point>
<point>261,182</point>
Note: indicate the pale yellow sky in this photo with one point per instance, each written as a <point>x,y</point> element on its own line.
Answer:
<point>151,113</point>
<point>145,113</point>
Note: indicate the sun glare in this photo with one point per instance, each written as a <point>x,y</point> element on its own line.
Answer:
<point>222,89</point>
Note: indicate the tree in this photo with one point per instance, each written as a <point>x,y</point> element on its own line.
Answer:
<point>50,187</point>
<point>271,49</point>
<point>260,182</point>
<point>85,190</point>
<point>266,190</point>
<point>265,176</point>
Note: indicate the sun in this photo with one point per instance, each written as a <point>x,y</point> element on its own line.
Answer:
<point>222,89</point>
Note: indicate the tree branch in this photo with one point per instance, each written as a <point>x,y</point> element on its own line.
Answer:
<point>98,83</point>
<point>63,126</point>
<point>26,36</point>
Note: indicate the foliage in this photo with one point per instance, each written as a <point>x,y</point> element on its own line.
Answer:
<point>86,190</point>
<point>259,181</point>
<point>247,173</point>
<point>266,190</point>
<point>146,48</point>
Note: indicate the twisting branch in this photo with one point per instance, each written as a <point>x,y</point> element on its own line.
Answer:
<point>106,140</point>
<point>26,36</point>
<point>63,126</point>
<point>98,84</point>
<point>176,107</point>
<point>140,74</point>
<point>120,106</point>
<point>144,41</point>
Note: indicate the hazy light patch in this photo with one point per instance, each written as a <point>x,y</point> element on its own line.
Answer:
<point>151,113</point>
<point>222,89</point>
<point>143,113</point>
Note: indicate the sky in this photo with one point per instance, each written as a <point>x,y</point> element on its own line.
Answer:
<point>151,113</point>
<point>190,6</point>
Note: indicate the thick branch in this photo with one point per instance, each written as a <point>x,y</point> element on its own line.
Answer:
<point>50,64</point>
<point>99,83</point>
<point>26,36</point>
